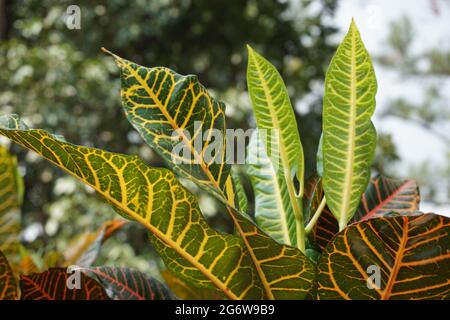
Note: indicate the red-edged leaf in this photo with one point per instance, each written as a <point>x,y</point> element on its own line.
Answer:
<point>390,257</point>
<point>327,226</point>
<point>53,285</point>
<point>129,284</point>
<point>8,286</point>
<point>385,195</point>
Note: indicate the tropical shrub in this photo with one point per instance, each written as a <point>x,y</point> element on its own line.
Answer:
<point>336,235</point>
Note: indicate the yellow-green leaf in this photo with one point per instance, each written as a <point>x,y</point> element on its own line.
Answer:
<point>11,191</point>
<point>273,210</point>
<point>178,118</point>
<point>154,198</point>
<point>349,137</point>
<point>277,127</point>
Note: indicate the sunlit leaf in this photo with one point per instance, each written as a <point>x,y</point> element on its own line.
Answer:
<point>402,257</point>
<point>349,137</point>
<point>273,210</point>
<point>180,120</point>
<point>277,128</point>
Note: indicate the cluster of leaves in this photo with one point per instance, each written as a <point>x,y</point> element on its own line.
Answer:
<point>53,71</point>
<point>311,238</point>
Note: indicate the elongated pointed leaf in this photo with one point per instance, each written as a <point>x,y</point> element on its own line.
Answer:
<point>154,198</point>
<point>273,110</point>
<point>129,284</point>
<point>404,257</point>
<point>277,127</point>
<point>385,195</point>
<point>273,210</point>
<point>58,284</point>
<point>11,190</point>
<point>349,137</point>
<point>8,285</point>
<point>179,119</point>
<point>158,102</point>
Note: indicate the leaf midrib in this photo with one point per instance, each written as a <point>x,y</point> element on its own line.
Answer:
<point>351,146</point>
<point>220,285</point>
<point>387,199</point>
<point>286,166</point>
<point>398,260</point>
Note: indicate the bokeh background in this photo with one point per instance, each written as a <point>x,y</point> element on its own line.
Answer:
<point>58,79</point>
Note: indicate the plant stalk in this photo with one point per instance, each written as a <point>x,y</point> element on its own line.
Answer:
<point>316,216</point>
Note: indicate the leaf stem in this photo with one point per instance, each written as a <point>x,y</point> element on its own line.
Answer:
<point>316,216</point>
<point>296,202</point>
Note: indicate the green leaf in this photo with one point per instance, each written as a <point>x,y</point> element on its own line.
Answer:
<point>410,254</point>
<point>319,157</point>
<point>273,110</point>
<point>53,285</point>
<point>273,210</point>
<point>240,192</point>
<point>11,193</point>
<point>129,284</point>
<point>158,102</point>
<point>385,195</point>
<point>8,286</point>
<point>276,123</point>
<point>172,113</point>
<point>349,137</point>
<point>154,198</point>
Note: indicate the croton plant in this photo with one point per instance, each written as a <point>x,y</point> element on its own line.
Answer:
<point>339,234</point>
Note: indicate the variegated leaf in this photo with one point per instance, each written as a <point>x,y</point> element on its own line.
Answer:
<point>11,192</point>
<point>154,198</point>
<point>399,257</point>
<point>349,137</point>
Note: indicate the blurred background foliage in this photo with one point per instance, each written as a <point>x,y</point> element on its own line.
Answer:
<point>58,79</point>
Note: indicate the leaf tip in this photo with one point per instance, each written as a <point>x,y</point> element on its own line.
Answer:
<point>353,25</point>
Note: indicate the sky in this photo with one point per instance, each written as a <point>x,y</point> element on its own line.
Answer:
<point>414,144</point>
